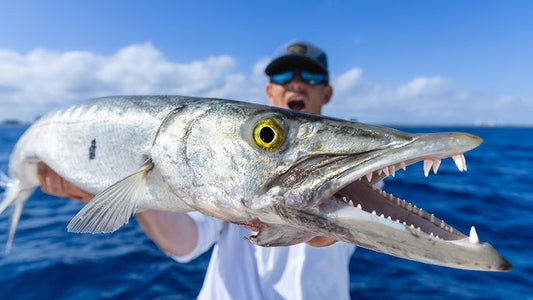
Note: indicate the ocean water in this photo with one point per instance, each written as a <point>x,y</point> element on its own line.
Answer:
<point>495,195</point>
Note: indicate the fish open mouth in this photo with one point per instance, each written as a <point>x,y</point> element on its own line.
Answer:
<point>366,195</point>
<point>354,179</point>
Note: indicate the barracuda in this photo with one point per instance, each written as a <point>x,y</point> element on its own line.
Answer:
<point>293,176</point>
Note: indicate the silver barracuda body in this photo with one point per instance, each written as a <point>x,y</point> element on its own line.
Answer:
<point>293,175</point>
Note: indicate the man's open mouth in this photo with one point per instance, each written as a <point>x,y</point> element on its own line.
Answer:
<point>296,104</point>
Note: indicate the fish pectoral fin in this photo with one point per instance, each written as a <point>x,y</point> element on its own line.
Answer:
<point>114,206</point>
<point>281,235</point>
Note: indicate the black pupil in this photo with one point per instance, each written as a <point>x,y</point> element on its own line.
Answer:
<point>267,134</point>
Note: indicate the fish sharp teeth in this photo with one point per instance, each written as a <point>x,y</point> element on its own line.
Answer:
<point>427,166</point>
<point>436,165</point>
<point>392,170</point>
<point>386,171</point>
<point>460,162</point>
<point>402,165</point>
<point>359,206</point>
<point>473,238</point>
<point>369,177</point>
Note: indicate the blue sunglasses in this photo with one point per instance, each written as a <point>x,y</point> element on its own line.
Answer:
<point>307,77</point>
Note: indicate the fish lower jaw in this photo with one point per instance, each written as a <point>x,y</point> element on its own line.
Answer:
<point>437,228</point>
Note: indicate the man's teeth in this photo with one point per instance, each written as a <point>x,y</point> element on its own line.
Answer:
<point>296,103</point>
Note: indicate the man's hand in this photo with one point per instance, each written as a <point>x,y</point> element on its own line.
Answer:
<point>53,184</point>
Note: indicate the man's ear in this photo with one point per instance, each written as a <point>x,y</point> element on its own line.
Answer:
<point>268,90</point>
<point>328,92</point>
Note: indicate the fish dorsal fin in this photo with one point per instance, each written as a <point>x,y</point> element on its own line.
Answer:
<point>114,206</point>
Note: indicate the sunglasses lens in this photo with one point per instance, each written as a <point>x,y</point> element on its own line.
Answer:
<point>313,78</point>
<point>282,78</point>
<point>307,77</point>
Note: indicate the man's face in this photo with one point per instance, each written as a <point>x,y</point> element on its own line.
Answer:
<point>298,95</point>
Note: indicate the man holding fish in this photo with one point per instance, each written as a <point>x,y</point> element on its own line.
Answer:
<point>238,269</point>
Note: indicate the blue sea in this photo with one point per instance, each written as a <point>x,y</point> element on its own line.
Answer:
<point>495,195</point>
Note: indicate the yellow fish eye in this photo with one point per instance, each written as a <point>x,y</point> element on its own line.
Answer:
<point>268,134</point>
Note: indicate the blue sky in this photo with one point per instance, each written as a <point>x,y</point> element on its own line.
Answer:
<point>407,62</point>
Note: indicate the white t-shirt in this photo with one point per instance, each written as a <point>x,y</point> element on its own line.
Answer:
<point>240,270</point>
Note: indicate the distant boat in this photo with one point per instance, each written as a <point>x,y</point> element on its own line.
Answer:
<point>12,122</point>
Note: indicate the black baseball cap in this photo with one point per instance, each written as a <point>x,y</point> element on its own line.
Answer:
<point>301,55</point>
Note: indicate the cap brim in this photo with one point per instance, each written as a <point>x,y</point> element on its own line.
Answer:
<point>288,62</point>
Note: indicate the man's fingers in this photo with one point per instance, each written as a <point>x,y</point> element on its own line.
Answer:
<point>41,174</point>
<point>49,180</point>
<point>321,241</point>
<point>74,192</point>
<point>53,184</point>
<point>251,228</point>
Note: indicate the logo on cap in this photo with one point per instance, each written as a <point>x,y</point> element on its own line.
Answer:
<point>297,49</point>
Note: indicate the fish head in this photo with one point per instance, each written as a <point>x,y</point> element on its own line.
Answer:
<point>251,157</point>
<point>295,176</point>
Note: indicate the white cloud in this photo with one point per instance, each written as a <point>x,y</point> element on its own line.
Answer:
<point>421,86</point>
<point>34,83</point>
<point>348,81</point>
<point>422,100</point>
<point>42,80</point>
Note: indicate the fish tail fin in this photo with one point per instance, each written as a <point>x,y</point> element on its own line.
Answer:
<point>113,207</point>
<point>13,193</point>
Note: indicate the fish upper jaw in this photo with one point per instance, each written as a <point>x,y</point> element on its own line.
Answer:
<point>375,165</point>
<point>318,179</point>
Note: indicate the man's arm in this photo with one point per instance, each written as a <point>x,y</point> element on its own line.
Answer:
<point>174,233</point>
